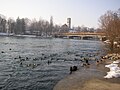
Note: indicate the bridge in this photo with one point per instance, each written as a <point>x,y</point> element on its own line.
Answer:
<point>82,35</point>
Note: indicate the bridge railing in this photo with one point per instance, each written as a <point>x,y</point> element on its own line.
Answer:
<point>81,33</point>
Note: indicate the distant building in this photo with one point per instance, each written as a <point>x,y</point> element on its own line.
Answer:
<point>64,28</point>
<point>69,22</point>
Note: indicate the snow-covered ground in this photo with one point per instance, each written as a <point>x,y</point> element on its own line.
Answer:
<point>25,35</point>
<point>6,34</point>
<point>114,70</point>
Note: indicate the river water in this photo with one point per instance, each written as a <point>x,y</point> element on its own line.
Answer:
<point>38,64</point>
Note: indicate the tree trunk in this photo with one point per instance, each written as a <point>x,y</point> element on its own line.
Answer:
<point>112,45</point>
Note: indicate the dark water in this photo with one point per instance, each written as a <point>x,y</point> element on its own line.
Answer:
<point>38,64</point>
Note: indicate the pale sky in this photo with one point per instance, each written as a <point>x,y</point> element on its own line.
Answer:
<point>82,12</point>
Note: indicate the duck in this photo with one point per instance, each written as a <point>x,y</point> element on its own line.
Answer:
<point>74,68</point>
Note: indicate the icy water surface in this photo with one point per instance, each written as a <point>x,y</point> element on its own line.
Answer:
<point>38,64</point>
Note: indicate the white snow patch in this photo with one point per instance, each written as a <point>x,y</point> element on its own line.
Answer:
<point>114,70</point>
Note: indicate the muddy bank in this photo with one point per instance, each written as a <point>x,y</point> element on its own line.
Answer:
<point>89,79</point>
<point>90,84</point>
<point>97,84</point>
<point>77,79</point>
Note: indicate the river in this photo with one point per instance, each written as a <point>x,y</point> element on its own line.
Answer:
<point>38,64</point>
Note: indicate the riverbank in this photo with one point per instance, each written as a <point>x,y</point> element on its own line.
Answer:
<point>91,78</point>
<point>91,84</point>
<point>97,84</point>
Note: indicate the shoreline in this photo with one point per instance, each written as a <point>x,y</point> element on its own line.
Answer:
<point>89,79</point>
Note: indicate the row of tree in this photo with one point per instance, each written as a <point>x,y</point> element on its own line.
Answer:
<point>27,26</point>
<point>110,24</point>
<point>37,27</point>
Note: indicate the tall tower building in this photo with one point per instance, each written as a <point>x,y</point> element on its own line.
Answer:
<point>69,22</point>
<point>51,26</point>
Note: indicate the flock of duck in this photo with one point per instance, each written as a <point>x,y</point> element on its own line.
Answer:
<point>84,57</point>
<point>102,59</point>
<point>27,61</point>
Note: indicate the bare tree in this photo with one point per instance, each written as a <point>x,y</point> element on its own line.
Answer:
<point>27,26</point>
<point>2,23</point>
<point>110,24</point>
<point>11,25</point>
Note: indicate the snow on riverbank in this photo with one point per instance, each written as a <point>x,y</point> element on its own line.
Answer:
<point>114,70</point>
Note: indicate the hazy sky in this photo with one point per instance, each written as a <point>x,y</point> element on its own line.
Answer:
<point>82,12</point>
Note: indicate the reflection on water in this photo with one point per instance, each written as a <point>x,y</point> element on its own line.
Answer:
<point>38,64</point>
